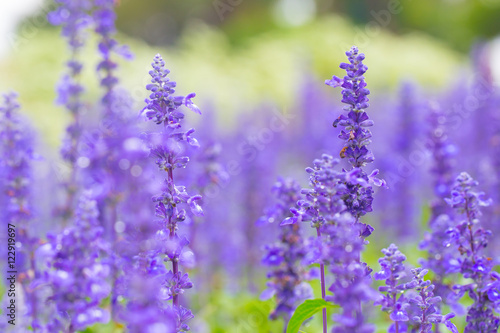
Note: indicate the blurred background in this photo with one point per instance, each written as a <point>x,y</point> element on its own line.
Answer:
<point>250,61</point>
<point>226,48</point>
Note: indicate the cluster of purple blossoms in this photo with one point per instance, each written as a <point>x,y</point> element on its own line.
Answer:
<point>287,277</point>
<point>443,152</point>
<point>322,206</point>
<point>356,135</point>
<point>393,301</point>
<point>342,246</point>
<point>409,108</point>
<point>338,244</point>
<point>471,239</point>
<point>425,305</point>
<point>77,271</point>
<point>335,202</point>
<point>142,313</point>
<point>104,18</point>
<point>16,155</point>
<point>354,93</point>
<point>75,18</point>
<point>441,259</point>
<point>412,306</point>
<point>163,107</point>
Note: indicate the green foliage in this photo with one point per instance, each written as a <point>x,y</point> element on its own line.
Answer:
<point>242,313</point>
<point>305,311</point>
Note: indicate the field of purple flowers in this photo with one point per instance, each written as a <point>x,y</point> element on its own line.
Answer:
<point>356,210</point>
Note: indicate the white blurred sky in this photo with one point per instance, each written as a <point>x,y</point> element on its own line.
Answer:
<point>11,12</point>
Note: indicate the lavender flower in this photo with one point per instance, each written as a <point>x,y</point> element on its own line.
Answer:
<point>142,313</point>
<point>427,305</point>
<point>287,277</point>
<point>394,301</point>
<point>104,17</point>
<point>324,199</point>
<point>112,142</point>
<point>356,135</point>
<point>443,152</point>
<point>412,306</point>
<point>335,194</point>
<point>354,94</point>
<point>16,156</point>
<point>352,284</point>
<point>441,259</point>
<point>408,132</point>
<point>76,271</point>
<point>74,18</point>
<point>471,239</point>
<point>321,205</point>
<point>338,243</point>
<point>163,107</point>
<point>17,153</point>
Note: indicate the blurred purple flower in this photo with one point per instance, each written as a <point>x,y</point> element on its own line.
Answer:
<point>74,18</point>
<point>287,276</point>
<point>470,239</point>
<point>77,271</point>
<point>16,156</point>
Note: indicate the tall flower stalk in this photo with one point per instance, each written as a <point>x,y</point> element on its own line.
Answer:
<point>338,243</point>
<point>356,135</point>
<point>394,301</point>
<point>115,128</point>
<point>412,305</point>
<point>287,276</point>
<point>332,192</point>
<point>163,108</point>
<point>408,132</point>
<point>337,197</point>
<point>16,155</point>
<point>74,18</point>
<point>426,305</point>
<point>443,153</point>
<point>76,272</point>
<point>470,238</point>
<point>441,260</point>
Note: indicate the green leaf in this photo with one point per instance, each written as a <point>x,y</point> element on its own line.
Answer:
<point>305,311</point>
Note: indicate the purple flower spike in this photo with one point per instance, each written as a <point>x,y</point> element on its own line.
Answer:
<point>142,312</point>
<point>104,25</point>
<point>352,283</point>
<point>426,305</point>
<point>74,18</point>
<point>441,258</point>
<point>356,136</point>
<point>470,239</point>
<point>394,300</point>
<point>411,305</point>
<point>76,272</point>
<point>287,276</point>
<point>162,106</point>
<point>354,94</point>
<point>16,183</point>
<point>172,205</point>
